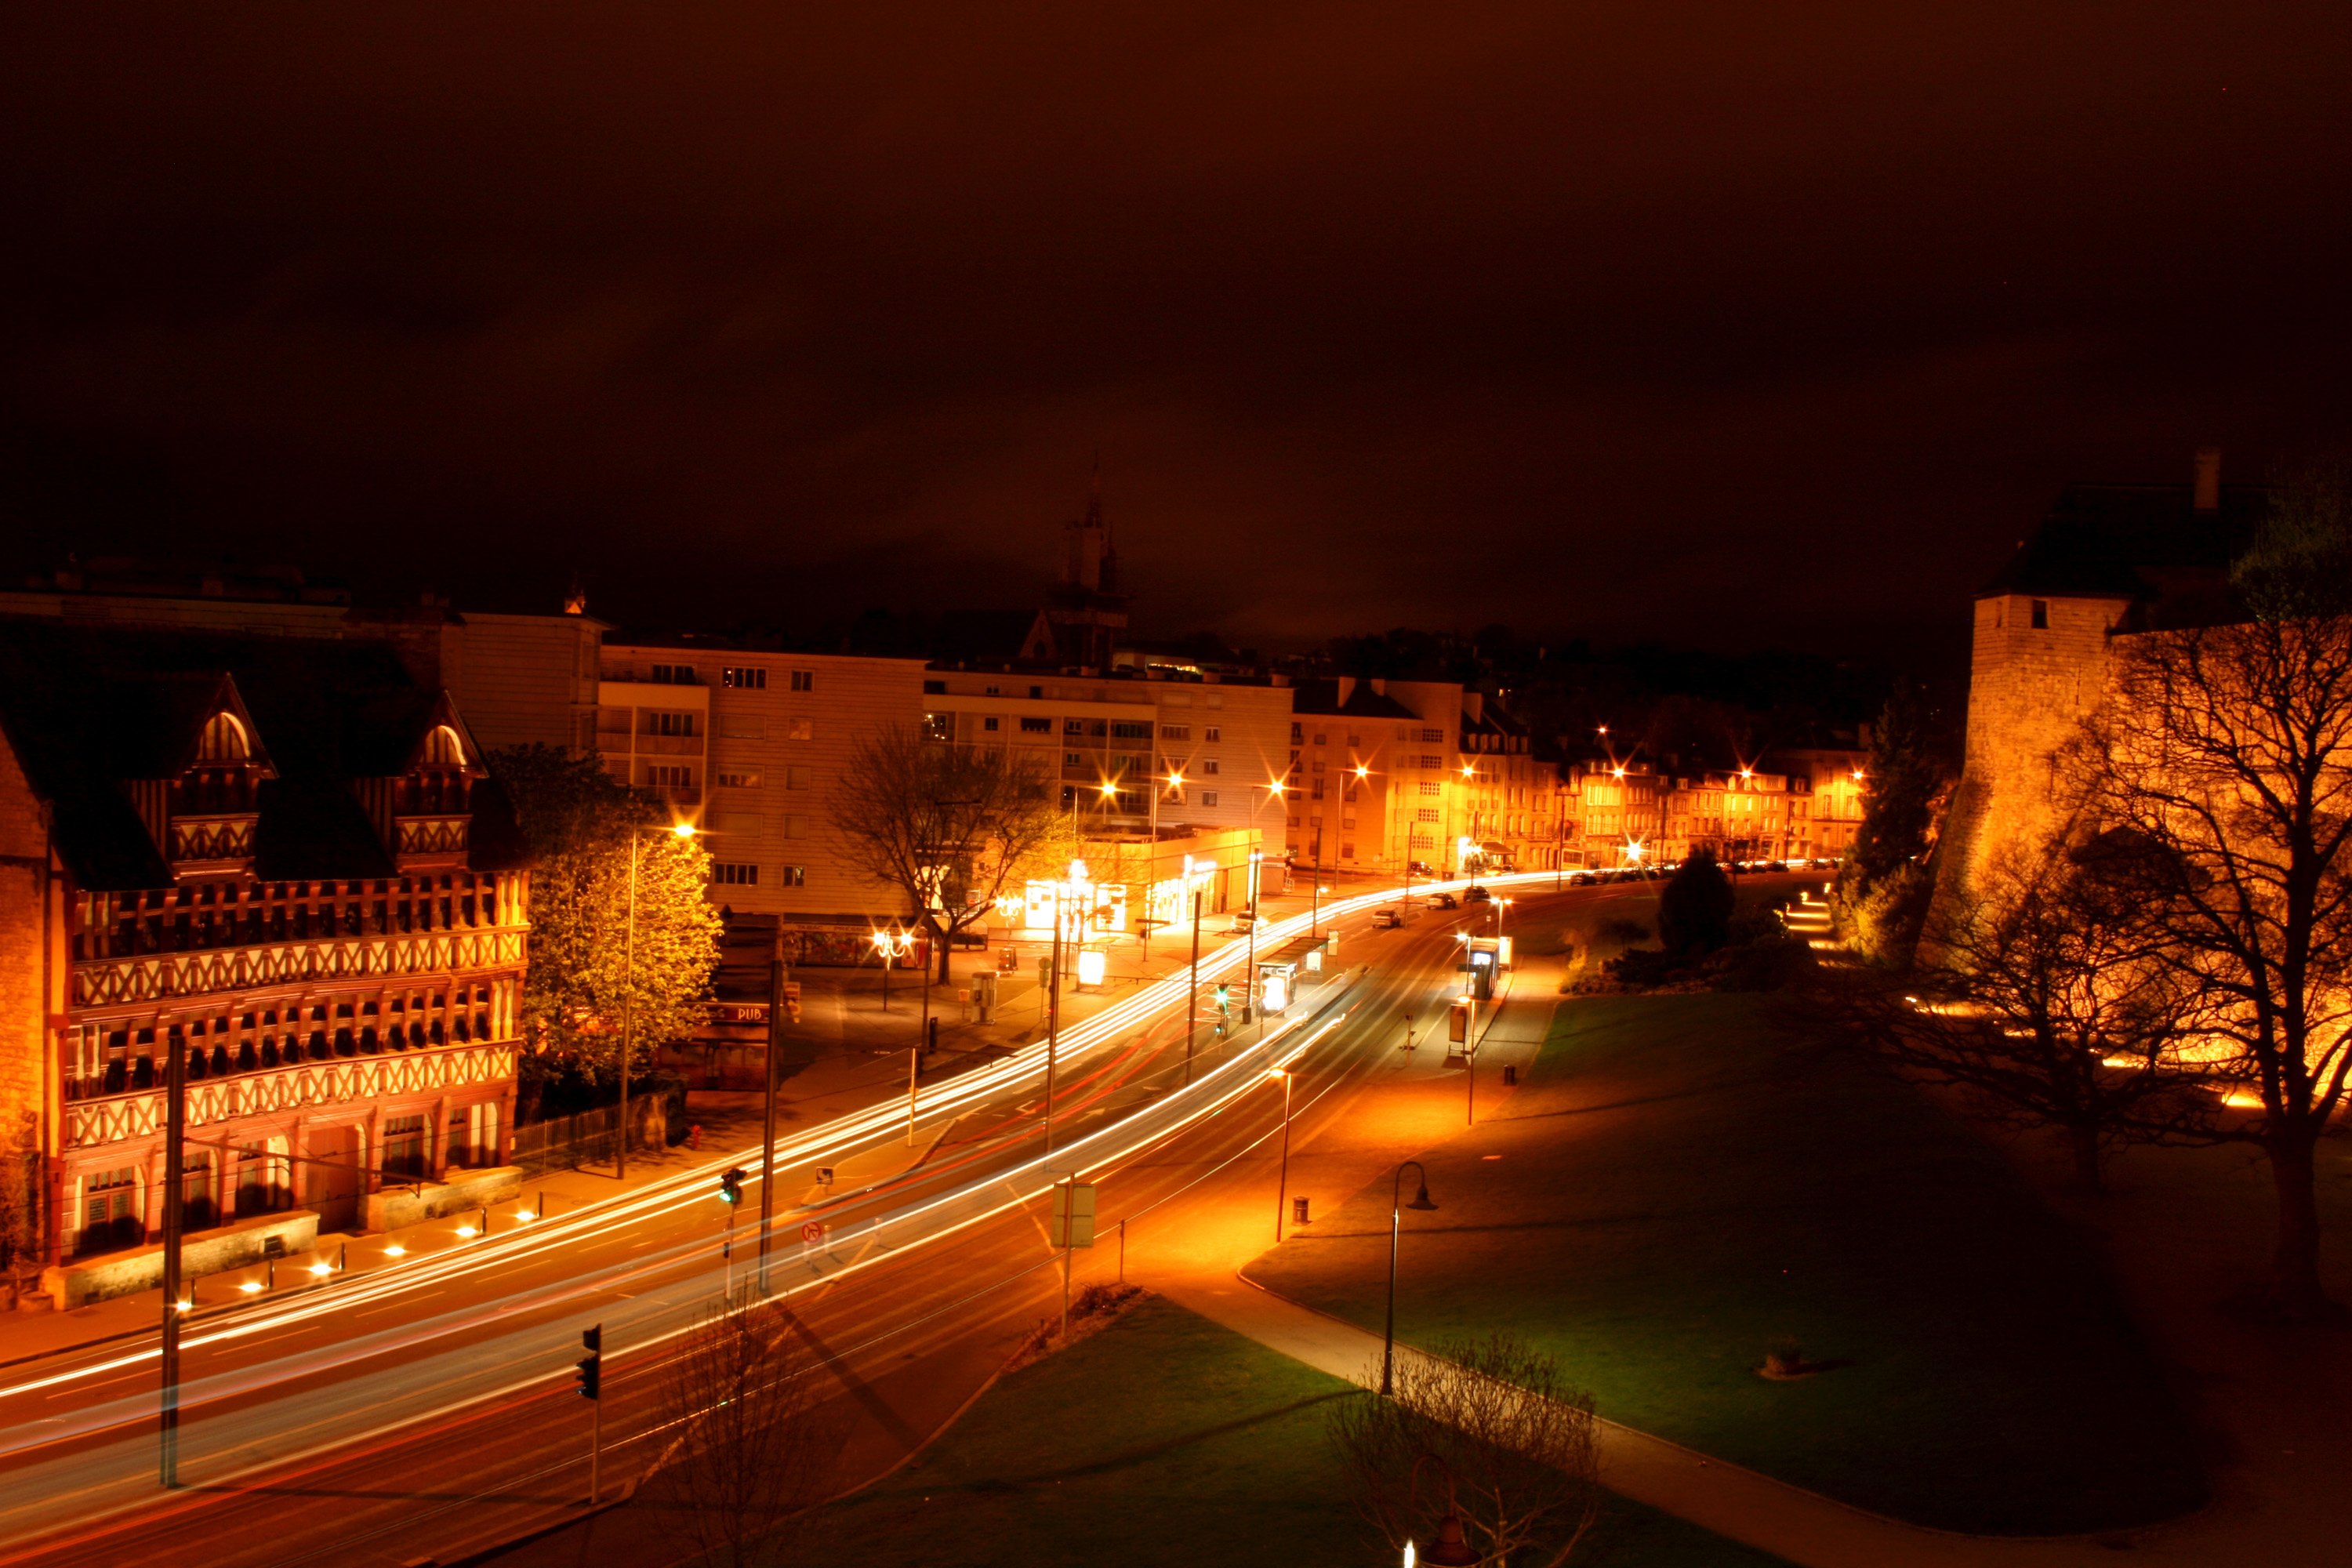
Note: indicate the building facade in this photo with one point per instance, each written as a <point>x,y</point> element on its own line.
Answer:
<point>281,858</point>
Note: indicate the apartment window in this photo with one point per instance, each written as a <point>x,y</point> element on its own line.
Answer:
<point>939,726</point>
<point>1348,822</point>
<point>935,689</point>
<point>747,677</point>
<point>1036,693</point>
<point>1431,762</point>
<point>1317,792</point>
<point>1211,732</point>
<point>1175,732</point>
<point>668,775</point>
<point>1296,732</point>
<point>1074,758</point>
<point>1127,730</point>
<point>1320,737</point>
<point>1208,797</point>
<point>659,722</point>
<point>1435,737</point>
<point>990,724</point>
<point>1354,738</point>
<point>792,877</point>
<point>1318,764</point>
<point>805,680</point>
<point>2041,615</point>
<point>1209,766</point>
<point>674,675</point>
<point>796,778</point>
<point>1037,726</point>
<point>734,822</point>
<point>1426,813</point>
<point>735,874</point>
<point>1433,789</point>
<point>742,727</point>
<point>799,729</point>
<point>1346,851</point>
<point>740,779</point>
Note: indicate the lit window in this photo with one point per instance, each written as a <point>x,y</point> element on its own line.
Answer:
<point>735,874</point>
<point>792,877</point>
<point>748,678</point>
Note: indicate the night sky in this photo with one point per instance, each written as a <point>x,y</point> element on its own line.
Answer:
<point>1731,325</point>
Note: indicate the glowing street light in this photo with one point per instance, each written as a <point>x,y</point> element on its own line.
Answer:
<point>1314,919</point>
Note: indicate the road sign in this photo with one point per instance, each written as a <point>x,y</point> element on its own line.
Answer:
<point>812,1233</point>
<point>1074,1215</point>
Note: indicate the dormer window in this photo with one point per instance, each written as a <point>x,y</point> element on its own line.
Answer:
<point>223,740</point>
<point>442,749</point>
<point>2039,609</point>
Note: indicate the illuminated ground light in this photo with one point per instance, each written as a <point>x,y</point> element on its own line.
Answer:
<point>250,1286</point>
<point>395,1251</point>
<point>322,1268</point>
<point>467,1230</point>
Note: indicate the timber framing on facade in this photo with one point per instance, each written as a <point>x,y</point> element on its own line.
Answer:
<point>282,857</point>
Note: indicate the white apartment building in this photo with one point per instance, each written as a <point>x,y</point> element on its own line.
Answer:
<point>752,745</point>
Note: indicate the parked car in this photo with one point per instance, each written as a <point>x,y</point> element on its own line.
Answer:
<point>1444,900</point>
<point>1580,878</point>
<point>1241,925</point>
<point>1422,868</point>
<point>1382,919</point>
<point>1474,894</point>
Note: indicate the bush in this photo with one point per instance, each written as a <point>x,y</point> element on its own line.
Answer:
<point>1882,920</point>
<point>1624,931</point>
<point>1775,963</point>
<point>1694,909</point>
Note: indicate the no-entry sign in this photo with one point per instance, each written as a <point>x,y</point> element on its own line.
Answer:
<point>812,1233</point>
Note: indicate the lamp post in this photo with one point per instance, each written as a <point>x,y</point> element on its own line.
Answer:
<point>1282,1186</point>
<point>1396,1225</point>
<point>1249,972</point>
<point>629,987</point>
<point>1314,919</point>
<point>1064,892</point>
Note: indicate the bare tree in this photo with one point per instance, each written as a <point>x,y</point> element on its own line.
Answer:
<point>755,1445</point>
<point>1514,1445</point>
<point>944,824</point>
<point>2223,756</point>
<point>2053,1003</point>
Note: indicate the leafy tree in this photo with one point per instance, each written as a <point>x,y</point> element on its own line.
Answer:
<point>1695,907</point>
<point>586,970</point>
<point>945,824</point>
<point>2223,756</point>
<point>1883,889</point>
<point>2299,563</point>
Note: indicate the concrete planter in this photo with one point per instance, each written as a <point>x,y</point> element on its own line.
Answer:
<point>202,1252</point>
<point>396,1207</point>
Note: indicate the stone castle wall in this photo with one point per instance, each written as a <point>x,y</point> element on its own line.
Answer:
<point>26,1116</point>
<point>2029,688</point>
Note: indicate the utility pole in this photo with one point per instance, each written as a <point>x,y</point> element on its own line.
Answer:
<point>175,1136</point>
<point>1054,1018</point>
<point>914,1070</point>
<point>628,992</point>
<point>1192,996</point>
<point>775,1079</point>
<point>1282,1188</point>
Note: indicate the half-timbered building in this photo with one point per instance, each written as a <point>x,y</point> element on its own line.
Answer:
<point>276,855</point>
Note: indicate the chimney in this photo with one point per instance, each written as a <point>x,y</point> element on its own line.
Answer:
<point>2208,478</point>
<point>1347,690</point>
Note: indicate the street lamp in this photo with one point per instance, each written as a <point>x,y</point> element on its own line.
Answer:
<point>1314,919</point>
<point>1066,892</point>
<point>1396,1225</point>
<point>1281,1187</point>
<point>629,985</point>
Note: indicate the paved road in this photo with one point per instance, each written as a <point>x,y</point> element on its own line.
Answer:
<point>431,1404</point>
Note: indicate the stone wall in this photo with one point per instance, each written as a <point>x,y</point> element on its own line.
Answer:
<point>396,1207</point>
<point>2029,688</point>
<point>233,1246</point>
<point>23,1043</point>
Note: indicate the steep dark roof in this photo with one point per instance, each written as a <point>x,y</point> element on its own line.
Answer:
<point>87,707</point>
<point>1321,698</point>
<point>2132,541</point>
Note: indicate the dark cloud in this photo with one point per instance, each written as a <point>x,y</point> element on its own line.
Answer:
<point>1709,323</point>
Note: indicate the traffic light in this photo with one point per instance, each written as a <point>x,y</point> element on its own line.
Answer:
<point>731,1186</point>
<point>589,1369</point>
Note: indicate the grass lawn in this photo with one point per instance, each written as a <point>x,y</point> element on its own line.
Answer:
<point>1678,1186</point>
<point>1162,1439</point>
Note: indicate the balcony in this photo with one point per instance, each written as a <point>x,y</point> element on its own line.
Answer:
<point>339,1080</point>
<point>152,977</point>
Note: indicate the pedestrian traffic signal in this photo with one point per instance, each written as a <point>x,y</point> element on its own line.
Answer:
<point>731,1186</point>
<point>1224,997</point>
<point>589,1369</point>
